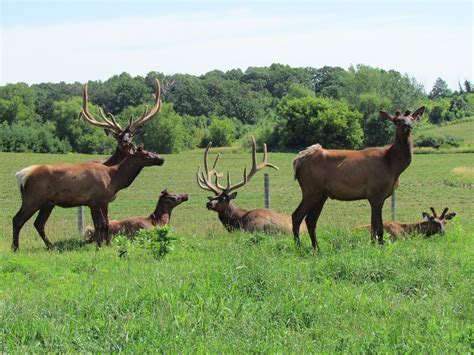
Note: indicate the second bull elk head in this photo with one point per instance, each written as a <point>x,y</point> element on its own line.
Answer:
<point>232,217</point>
<point>109,123</point>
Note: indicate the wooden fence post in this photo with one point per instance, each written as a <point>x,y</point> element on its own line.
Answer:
<point>267,190</point>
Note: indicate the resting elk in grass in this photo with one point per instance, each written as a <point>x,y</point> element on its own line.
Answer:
<point>232,217</point>
<point>431,225</point>
<point>111,127</point>
<point>130,226</point>
<point>349,175</point>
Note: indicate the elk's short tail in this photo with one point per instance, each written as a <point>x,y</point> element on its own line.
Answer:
<point>302,157</point>
<point>22,176</point>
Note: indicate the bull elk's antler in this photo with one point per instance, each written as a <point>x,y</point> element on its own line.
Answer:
<point>205,180</point>
<point>111,123</point>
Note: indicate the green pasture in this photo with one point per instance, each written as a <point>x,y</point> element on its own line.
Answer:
<point>464,130</point>
<point>221,292</point>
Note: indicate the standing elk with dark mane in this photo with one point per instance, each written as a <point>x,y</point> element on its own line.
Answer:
<point>349,175</point>
<point>130,226</point>
<point>124,136</point>
<point>89,184</point>
<point>232,217</point>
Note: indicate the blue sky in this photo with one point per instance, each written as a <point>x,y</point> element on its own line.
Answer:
<point>51,41</point>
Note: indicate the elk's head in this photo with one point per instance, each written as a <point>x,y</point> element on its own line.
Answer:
<point>123,136</point>
<point>172,199</point>
<point>220,202</point>
<point>436,225</point>
<point>146,158</point>
<point>404,122</point>
<point>223,195</point>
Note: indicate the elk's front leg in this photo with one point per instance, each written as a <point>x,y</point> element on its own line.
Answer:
<point>96,218</point>
<point>376,220</point>
<point>104,213</point>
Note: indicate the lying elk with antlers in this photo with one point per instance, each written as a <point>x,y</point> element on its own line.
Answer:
<point>111,127</point>
<point>232,217</point>
<point>431,224</point>
<point>350,175</point>
<point>130,226</point>
<point>89,184</point>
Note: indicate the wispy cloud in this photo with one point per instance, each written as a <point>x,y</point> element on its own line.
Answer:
<point>237,37</point>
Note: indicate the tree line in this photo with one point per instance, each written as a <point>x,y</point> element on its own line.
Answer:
<point>289,108</point>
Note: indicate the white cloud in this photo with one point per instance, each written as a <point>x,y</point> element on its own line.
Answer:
<point>199,42</point>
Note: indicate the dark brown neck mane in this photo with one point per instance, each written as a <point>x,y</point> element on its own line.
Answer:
<point>162,214</point>
<point>115,158</point>
<point>125,172</point>
<point>400,153</point>
<point>232,217</point>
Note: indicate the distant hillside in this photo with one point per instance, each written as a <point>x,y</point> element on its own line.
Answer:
<point>464,130</point>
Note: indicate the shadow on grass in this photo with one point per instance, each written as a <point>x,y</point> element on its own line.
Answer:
<point>69,244</point>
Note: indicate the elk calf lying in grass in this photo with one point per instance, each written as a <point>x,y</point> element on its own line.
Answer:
<point>130,226</point>
<point>429,226</point>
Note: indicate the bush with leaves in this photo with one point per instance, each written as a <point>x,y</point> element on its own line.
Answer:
<point>311,120</point>
<point>222,132</point>
<point>156,241</point>
<point>437,141</point>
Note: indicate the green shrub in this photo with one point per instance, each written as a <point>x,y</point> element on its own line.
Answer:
<point>156,241</point>
<point>437,141</point>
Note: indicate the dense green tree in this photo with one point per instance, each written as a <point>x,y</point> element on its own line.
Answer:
<point>82,137</point>
<point>326,121</point>
<point>440,89</point>
<point>166,133</point>
<point>377,131</point>
<point>189,95</point>
<point>221,132</point>
<point>119,92</point>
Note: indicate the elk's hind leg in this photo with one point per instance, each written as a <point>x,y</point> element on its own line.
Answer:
<point>297,217</point>
<point>312,220</point>
<point>40,222</point>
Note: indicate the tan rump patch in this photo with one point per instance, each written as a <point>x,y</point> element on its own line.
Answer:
<point>22,175</point>
<point>303,154</point>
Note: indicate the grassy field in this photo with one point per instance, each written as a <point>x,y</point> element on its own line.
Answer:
<point>464,130</point>
<point>221,292</point>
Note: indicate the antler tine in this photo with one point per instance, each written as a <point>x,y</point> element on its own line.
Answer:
<point>112,122</point>
<point>88,116</point>
<point>205,178</point>
<point>434,212</point>
<point>443,213</point>
<point>255,167</point>
<point>202,183</point>
<point>154,110</point>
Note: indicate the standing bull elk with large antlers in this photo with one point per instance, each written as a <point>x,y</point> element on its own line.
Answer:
<point>111,127</point>
<point>350,175</point>
<point>232,217</point>
<point>89,184</point>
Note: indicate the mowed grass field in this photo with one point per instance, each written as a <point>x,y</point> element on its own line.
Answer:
<point>221,292</point>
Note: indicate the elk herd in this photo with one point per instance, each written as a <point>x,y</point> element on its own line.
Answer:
<point>345,175</point>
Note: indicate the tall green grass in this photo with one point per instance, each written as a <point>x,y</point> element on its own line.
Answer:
<point>221,292</point>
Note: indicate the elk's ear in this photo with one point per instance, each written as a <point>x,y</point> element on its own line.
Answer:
<point>386,115</point>
<point>426,216</point>
<point>233,195</point>
<point>417,114</point>
<point>140,148</point>
<point>210,198</point>
<point>165,192</point>
<point>449,216</point>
